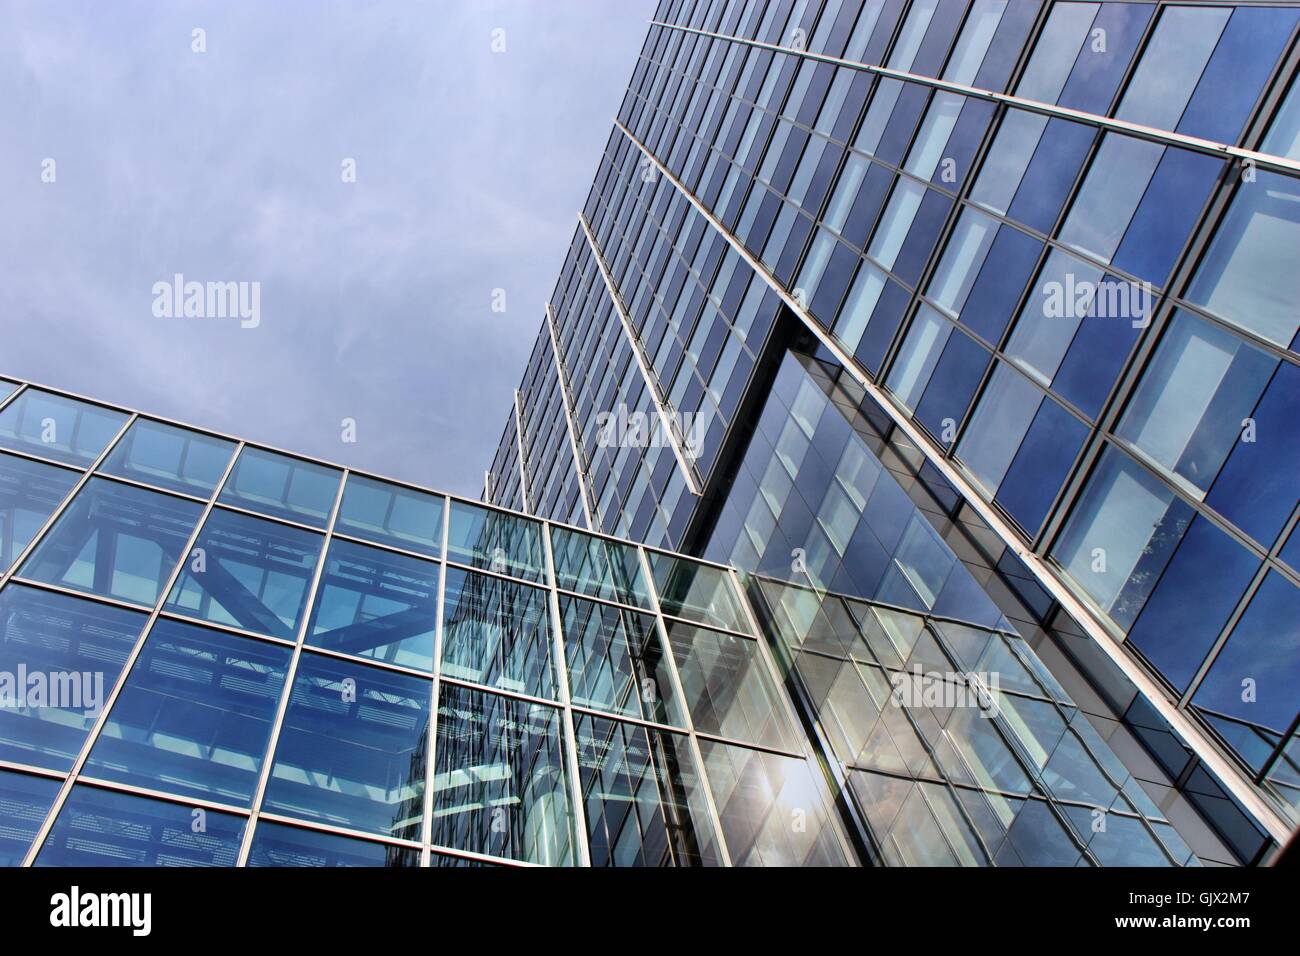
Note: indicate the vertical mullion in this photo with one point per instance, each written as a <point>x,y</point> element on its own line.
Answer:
<point>426,837</point>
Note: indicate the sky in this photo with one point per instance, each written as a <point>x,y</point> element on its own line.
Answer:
<point>391,175</point>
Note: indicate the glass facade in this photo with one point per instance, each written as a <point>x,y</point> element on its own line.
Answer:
<point>1005,335</point>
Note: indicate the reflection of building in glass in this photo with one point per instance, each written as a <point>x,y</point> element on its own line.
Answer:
<point>983,310</point>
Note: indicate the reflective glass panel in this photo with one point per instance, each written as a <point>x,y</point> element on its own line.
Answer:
<point>378,604</point>
<point>497,633</point>
<point>194,716</point>
<point>496,541</point>
<point>105,828</point>
<point>29,493</point>
<point>59,659</point>
<point>282,487</point>
<point>598,566</point>
<point>247,573</point>
<point>391,514</point>
<point>728,688</point>
<point>275,844</point>
<point>25,800</point>
<point>697,592</point>
<point>352,749</point>
<point>501,787</point>
<point>616,662</point>
<point>116,541</point>
<point>171,458</point>
<point>58,428</point>
<point>644,799</point>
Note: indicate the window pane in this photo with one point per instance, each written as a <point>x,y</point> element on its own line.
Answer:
<point>29,493</point>
<point>352,749</point>
<point>496,541</point>
<point>728,688</point>
<point>378,604</point>
<point>391,514</point>
<point>644,799</point>
<point>115,540</point>
<point>1249,693</point>
<point>1171,65</point>
<point>1248,276</point>
<point>1000,421</point>
<point>104,828</point>
<point>616,662</point>
<point>1283,137</point>
<point>71,652</point>
<point>1188,411</point>
<point>501,784</point>
<point>697,592</point>
<point>1121,535</point>
<point>598,567</point>
<point>275,844</point>
<point>26,801</point>
<point>758,795</point>
<point>58,428</point>
<point>282,487</point>
<point>171,458</point>
<point>248,573</point>
<point>194,716</point>
<point>1111,192</point>
<point>497,633</point>
<point>1056,51</point>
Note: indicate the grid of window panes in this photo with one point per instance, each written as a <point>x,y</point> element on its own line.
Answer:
<point>1095,325</point>
<point>287,663</point>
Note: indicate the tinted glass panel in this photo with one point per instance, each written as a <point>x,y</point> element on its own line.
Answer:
<point>391,514</point>
<point>496,541</point>
<point>353,747</point>
<point>171,458</point>
<point>599,567</point>
<point>282,487</point>
<point>29,493</point>
<point>26,800</point>
<point>696,592</point>
<point>115,540</point>
<point>497,633</point>
<point>194,717</point>
<point>58,428</point>
<point>275,844</point>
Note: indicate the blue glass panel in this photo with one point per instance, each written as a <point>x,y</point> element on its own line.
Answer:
<point>1041,465</point>
<point>171,458</point>
<point>378,604</point>
<point>248,573</point>
<point>1050,174</point>
<point>697,592</point>
<point>1167,213</point>
<point>1248,274</point>
<point>25,801</point>
<point>1260,482</point>
<point>1006,271</point>
<point>1171,64</point>
<point>1101,346</point>
<point>6,389</point>
<point>1236,73</point>
<point>116,541</point>
<point>275,844</point>
<point>497,633</point>
<point>643,795</point>
<point>1097,72</point>
<point>496,541</point>
<point>194,716</point>
<point>598,567</point>
<point>952,386</point>
<point>501,784</point>
<point>353,746</point>
<point>59,659</point>
<point>58,428</point>
<point>29,493</point>
<point>282,487</point>
<point>390,514</point>
<point>104,828</point>
<point>1200,588</point>
<point>1249,693</point>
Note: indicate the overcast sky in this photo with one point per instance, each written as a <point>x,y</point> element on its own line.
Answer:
<point>376,296</point>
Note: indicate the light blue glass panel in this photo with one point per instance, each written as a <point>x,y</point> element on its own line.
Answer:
<point>171,458</point>
<point>116,541</point>
<point>391,514</point>
<point>495,541</point>
<point>248,573</point>
<point>59,659</point>
<point>282,487</point>
<point>378,604</point>
<point>497,633</point>
<point>29,493</point>
<point>697,592</point>
<point>194,717</point>
<point>501,784</point>
<point>353,746</point>
<point>105,828</point>
<point>598,567</point>
<point>25,800</point>
<point>1171,65</point>
<point>276,844</point>
<point>1056,51</point>
<point>58,428</point>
